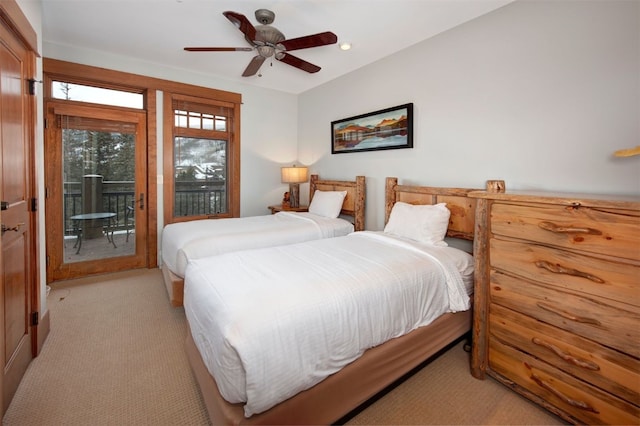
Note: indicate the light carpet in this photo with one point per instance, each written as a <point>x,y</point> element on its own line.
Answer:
<point>115,356</point>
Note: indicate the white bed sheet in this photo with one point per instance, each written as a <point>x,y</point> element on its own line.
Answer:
<point>196,239</point>
<point>271,323</point>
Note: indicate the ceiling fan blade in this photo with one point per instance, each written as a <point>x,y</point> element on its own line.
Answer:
<point>218,49</point>
<point>297,62</point>
<point>253,66</point>
<point>315,40</point>
<point>242,23</point>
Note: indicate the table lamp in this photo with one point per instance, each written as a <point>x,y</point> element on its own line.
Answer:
<point>294,176</point>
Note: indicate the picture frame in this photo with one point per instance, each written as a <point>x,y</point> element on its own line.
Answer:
<point>389,128</point>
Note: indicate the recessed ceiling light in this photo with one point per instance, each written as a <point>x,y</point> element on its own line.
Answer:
<point>345,46</point>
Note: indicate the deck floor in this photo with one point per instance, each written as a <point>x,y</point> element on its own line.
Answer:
<point>99,248</point>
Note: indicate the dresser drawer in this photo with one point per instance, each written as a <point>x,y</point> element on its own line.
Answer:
<point>614,325</point>
<point>615,233</point>
<point>584,402</point>
<point>597,277</point>
<point>605,368</point>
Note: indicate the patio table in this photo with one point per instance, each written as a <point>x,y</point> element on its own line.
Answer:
<point>106,217</point>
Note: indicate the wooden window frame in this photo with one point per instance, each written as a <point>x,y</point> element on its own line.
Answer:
<point>232,136</point>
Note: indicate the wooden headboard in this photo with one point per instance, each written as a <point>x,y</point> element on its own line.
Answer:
<point>463,208</point>
<point>353,204</point>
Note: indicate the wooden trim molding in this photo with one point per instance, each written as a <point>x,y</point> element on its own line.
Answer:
<point>77,73</point>
<point>44,327</point>
<point>12,15</point>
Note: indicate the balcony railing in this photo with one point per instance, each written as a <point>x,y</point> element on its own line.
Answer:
<point>191,198</point>
<point>116,196</point>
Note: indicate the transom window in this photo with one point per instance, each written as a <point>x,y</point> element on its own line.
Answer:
<point>200,120</point>
<point>97,95</point>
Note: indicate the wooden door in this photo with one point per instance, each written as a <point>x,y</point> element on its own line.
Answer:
<point>96,184</point>
<point>17,250</point>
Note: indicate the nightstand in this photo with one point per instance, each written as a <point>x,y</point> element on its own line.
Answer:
<point>279,208</point>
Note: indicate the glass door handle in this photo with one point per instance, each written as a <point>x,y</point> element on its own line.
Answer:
<point>4,205</point>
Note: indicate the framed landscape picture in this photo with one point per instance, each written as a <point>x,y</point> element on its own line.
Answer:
<point>390,128</point>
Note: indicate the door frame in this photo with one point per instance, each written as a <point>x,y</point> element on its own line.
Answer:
<point>57,269</point>
<point>56,70</point>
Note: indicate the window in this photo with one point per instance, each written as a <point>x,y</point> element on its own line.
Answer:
<point>204,153</point>
<point>84,93</point>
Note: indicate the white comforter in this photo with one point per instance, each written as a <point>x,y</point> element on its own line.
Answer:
<point>202,238</point>
<point>271,323</point>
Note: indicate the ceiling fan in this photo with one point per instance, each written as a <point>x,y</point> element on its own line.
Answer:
<point>269,42</point>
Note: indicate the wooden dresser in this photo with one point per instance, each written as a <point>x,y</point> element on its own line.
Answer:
<point>557,301</point>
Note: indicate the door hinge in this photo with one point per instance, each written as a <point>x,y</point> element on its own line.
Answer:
<point>47,261</point>
<point>32,86</point>
<point>34,204</point>
<point>35,317</point>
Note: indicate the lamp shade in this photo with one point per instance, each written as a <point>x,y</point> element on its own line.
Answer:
<point>294,174</point>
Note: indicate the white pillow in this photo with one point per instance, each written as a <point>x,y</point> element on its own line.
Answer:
<point>327,203</point>
<point>425,223</point>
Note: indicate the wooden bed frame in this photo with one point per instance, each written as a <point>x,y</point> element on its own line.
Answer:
<point>344,391</point>
<point>353,205</point>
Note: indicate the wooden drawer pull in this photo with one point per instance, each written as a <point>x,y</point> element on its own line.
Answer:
<point>550,226</point>
<point>583,363</point>
<point>559,269</point>
<point>579,404</point>
<point>568,315</point>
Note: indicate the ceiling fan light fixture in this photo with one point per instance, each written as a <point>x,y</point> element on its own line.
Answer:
<point>265,51</point>
<point>345,45</point>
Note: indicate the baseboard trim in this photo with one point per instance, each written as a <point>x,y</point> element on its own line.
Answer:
<point>44,327</point>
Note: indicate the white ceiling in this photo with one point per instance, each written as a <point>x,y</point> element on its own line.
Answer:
<point>156,31</point>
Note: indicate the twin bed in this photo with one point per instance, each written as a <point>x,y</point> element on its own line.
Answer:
<point>305,333</point>
<point>328,217</point>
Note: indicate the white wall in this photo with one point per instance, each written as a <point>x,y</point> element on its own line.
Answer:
<point>538,93</point>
